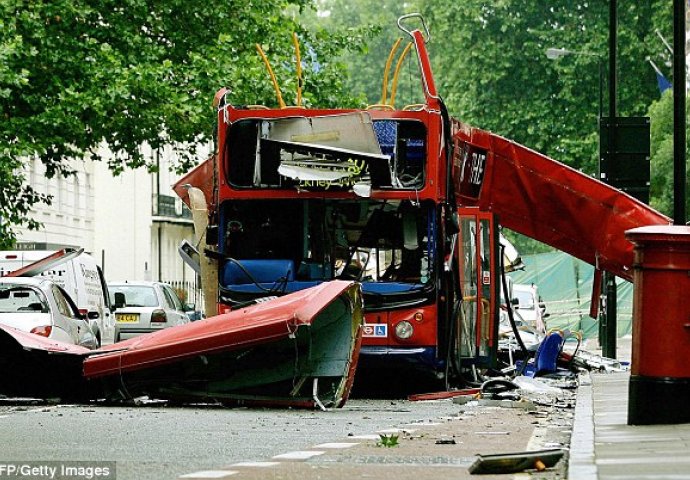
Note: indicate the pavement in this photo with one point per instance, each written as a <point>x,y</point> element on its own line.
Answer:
<point>603,446</point>
<point>439,446</point>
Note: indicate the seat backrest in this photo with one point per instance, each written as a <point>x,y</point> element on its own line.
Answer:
<point>261,271</point>
<point>546,358</point>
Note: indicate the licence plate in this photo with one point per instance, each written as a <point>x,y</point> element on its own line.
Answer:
<point>127,317</point>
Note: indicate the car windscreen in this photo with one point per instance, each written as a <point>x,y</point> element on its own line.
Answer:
<point>22,299</point>
<point>526,299</point>
<point>132,296</point>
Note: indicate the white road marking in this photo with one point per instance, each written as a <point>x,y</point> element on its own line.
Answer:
<point>41,409</point>
<point>366,437</point>
<point>210,474</point>
<point>420,424</point>
<point>255,464</point>
<point>300,455</point>
<point>335,445</point>
<point>398,430</point>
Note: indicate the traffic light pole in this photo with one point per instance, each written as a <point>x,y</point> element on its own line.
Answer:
<point>608,342</point>
<point>679,120</point>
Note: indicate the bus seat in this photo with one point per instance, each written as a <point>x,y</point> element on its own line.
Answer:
<point>262,271</point>
<point>387,135</point>
<point>390,287</point>
<point>546,358</point>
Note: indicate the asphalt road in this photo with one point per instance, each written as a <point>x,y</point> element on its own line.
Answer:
<point>160,442</point>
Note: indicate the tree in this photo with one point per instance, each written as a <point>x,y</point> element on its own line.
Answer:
<point>378,21</point>
<point>78,74</point>
<point>661,118</point>
<point>493,71</point>
<point>494,74</point>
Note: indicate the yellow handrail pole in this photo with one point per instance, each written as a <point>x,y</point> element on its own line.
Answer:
<point>295,41</point>
<point>394,86</point>
<point>273,77</point>
<point>386,70</point>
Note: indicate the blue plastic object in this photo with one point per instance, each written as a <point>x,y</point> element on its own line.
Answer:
<point>546,357</point>
<point>261,271</point>
<point>547,354</point>
<point>390,287</point>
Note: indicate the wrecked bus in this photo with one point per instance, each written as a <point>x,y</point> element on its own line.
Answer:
<point>300,196</point>
<point>405,201</point>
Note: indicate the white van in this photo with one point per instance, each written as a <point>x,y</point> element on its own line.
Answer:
<point>82,279</point>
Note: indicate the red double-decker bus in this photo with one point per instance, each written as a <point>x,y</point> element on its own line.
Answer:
<point>303,196</point>
<point>403,200</point>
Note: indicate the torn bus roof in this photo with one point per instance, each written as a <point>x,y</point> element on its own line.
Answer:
<point>40,266</point>
<point>31,341</point>
<point>200,177</point>
<point>300,350</point>
<point>546,200</point>
<point>297,350</point>
<point>35,366</point>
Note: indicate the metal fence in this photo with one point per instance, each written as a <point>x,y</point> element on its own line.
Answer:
<point>189,292</point>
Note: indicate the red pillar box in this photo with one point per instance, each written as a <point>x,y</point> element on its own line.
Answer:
<point>660,377</point>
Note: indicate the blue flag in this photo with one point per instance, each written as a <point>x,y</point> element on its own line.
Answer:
<point>663,82</point>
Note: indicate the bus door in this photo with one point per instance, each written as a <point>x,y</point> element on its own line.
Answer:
<point>476,326</point>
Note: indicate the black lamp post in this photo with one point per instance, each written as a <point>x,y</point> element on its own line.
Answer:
<point>555,53</point>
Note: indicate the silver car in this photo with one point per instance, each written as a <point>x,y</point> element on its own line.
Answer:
<point>144,307</point>
<point>38,305</point>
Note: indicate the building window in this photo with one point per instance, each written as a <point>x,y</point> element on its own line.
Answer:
<point>77,196</point>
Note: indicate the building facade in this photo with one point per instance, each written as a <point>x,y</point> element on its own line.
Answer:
<point>132,224</point>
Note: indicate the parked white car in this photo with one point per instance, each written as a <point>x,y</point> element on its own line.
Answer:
<point>144,307</point>
<point>531,309</point>
<point>81,277</point>
<point>38,305</point>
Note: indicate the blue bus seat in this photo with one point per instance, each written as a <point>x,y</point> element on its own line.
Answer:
<point>262,271</point>
<point>388,288</point>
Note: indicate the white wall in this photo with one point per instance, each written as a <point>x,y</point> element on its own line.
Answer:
<point>69,221</point>
<point>112,217</point>
<point>122,226</point>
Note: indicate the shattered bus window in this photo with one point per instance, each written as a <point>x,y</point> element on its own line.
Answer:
<point>279,246</point>
<point>315,153</point>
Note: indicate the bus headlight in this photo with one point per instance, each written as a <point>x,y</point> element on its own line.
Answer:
<point>404,330</point>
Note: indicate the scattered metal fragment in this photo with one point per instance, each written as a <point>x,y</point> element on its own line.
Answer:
<point>516,462</point>
<point>469,392</point>
<point>446,441</point>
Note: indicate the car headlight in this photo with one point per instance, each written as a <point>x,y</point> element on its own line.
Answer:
<point>404,330</point>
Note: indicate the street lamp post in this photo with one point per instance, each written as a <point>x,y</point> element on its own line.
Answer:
<point>555,53</point>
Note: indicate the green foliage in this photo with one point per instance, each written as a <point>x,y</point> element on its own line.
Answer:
<point>661,117</point>
<point>76,75</point>
<point>378,21</point>
<point>492,69</point>
<point>526,245</point>
<point>387,441</point>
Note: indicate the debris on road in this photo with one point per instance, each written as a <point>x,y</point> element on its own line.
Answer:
<point>516,462</point>
<point>446,441</point>
<point>470,392</point>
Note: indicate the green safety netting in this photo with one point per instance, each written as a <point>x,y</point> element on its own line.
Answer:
<point>565,286</point>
